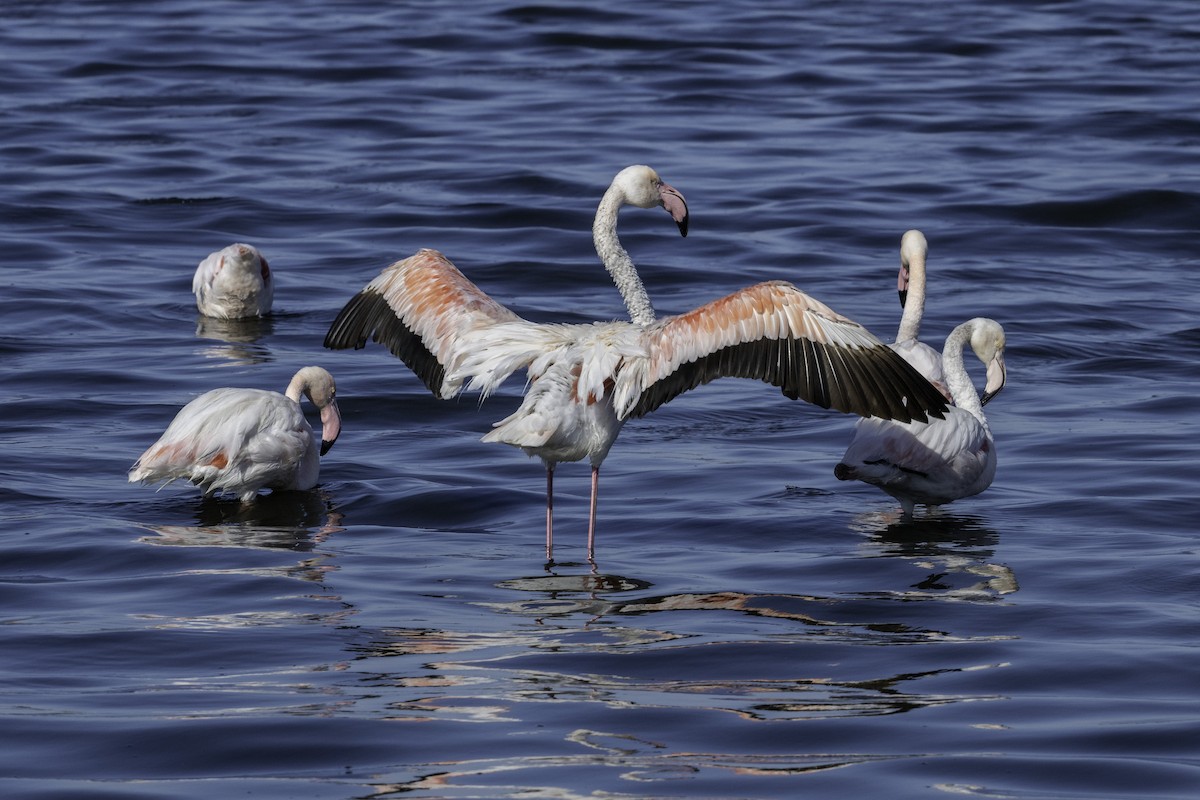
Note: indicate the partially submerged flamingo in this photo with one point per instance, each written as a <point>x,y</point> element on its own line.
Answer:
<point>234,283</point>
<point>586,380</point>
<point>243,440</point>
<point>937,461</point>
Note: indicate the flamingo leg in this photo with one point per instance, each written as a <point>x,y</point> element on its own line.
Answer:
<point>592,512</point>
<point>549,512</point>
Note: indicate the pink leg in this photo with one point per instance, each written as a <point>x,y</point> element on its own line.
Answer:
<point>549,512</point>
<point>592,514</point>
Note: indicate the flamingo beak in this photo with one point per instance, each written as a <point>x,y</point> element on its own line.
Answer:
<point>675,205</point>
<point>902,284</point>
<point>996,375</point>
<point>331,425</point>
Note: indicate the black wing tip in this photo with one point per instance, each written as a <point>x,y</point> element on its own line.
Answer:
<point>368,315</point>
<point>924,407</point>
<point>881,384</point>
<point>903,394</point>
<point>354,322</point>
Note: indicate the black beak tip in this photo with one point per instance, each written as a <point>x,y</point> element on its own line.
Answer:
<point>903,297</point>
<point>325,445</point>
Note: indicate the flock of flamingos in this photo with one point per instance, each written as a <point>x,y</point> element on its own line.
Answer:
<point>923,437</point>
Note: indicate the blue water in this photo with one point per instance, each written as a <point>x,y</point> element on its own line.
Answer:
<point>751,627</point>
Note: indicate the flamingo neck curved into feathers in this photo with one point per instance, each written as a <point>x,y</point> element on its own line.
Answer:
<point>234,283</point>
<point>987,341</point>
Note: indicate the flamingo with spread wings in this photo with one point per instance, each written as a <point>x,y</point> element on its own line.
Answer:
<point>586,380</point>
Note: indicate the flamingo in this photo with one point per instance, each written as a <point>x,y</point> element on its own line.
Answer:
<point>938,461</point>
<point>586,380</point>
<point>911,285</point>
<point>243,440</point>
<point>234,283</point>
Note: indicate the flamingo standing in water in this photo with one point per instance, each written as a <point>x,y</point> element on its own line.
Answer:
<point>937,461</point>
<point>586,380</point>
<point>243,440</point>
<point>910,284</point>
<point>234,283</point>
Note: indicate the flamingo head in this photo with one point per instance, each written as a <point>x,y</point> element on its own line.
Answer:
<point>987,340</point>
<point>641,186</point>
<point>317,385</point>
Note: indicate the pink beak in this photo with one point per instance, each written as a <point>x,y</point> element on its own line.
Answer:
<point>996,376</point>
<point>331,426</point>
<point>675,205</point>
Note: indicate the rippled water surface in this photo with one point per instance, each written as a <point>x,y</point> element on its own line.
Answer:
<point>750,627</point>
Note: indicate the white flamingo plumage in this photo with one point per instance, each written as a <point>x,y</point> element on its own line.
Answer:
<point>910,284</point>
<point>936,462</point>
<point>234,283</point>
<point>244,440</point>
<point>586,380</point>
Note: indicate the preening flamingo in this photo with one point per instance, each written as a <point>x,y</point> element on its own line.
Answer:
<point>586,380</point>
<point>937,461</point>
<point>910,283</point>
<point>243,440</point>
<point>234,283</point>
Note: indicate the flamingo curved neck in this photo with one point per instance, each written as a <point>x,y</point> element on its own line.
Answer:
<point>296,389</point>
<point>617,261</point>
<point>955,372</point>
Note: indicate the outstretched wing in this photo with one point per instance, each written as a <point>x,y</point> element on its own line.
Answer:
<point>434,319</point>
<point>775,333</point>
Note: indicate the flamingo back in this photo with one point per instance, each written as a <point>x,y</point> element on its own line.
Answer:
<point>239,440</point>
<point>234,283</point>
<point>928,463</point>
